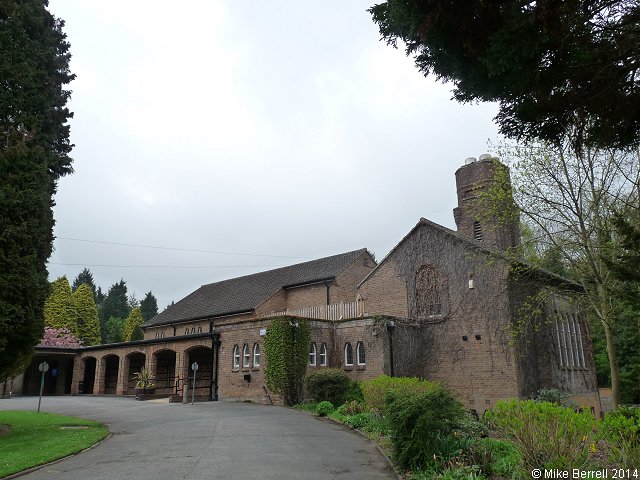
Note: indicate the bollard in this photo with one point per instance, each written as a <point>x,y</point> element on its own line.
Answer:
<point>185,393</point>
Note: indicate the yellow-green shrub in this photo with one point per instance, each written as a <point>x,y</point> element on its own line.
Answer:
<point>375,390</point>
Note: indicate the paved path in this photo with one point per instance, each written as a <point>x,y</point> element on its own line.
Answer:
<point>157,440</point>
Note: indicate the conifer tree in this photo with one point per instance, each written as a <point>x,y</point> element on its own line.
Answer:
<point>85,276</point>
<point>88,322</point>
<point>115,305</point>
<point>133,322</point>
<point>34,154</point>
<point>113,330</point>
<point>59,309</point>
<point>149,306</point>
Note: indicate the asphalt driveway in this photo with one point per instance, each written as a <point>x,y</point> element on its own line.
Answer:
<point>157,440</point>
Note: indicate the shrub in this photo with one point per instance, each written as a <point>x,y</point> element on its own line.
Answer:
<point>622,430</point>
<point>545,434</point>
<point>472,428</point>
<point>368,422</point>
<point>375,390</point>
<point>495,457</point>
<point>553,395</point>
<point>422,426</point>
<point>353,407</point>
<point>330,384</point>
<point>354,392</point>
<point>324,408</point>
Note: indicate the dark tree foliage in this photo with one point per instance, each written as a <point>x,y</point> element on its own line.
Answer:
<point>34,154</point>
<point>115,305</point>
<point>149,306</point>
<point>85,276</point>
<point>552,65</point>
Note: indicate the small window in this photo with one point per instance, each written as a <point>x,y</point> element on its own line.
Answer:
<point>323,354</point>
<point>361,354</point>
<point>312,354</point>
<point>256,355</point>
<point>477,232</point>
<point>200,329</point>
<point>246,357</point>
<point>186,331</point>
<point>348,354</point>
<point>236,356</point>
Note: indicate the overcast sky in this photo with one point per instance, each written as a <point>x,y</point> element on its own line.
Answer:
<point>281,129</point>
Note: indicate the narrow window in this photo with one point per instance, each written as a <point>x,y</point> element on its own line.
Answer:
<point>477,232</point>
<point>256,355</point>
<point>246,358</point>
<point>558,338</point>
<point>581,348</point>
<point>567,325</point>
<point>200,329</point>
<point>236,356</point>
<point>186,331</point>
<point>360,353</point>
<point>348,354</point>
<point>323,354</point>
<point>312,354</point>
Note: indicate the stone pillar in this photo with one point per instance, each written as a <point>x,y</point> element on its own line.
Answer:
<point>98,383</point>
<point>182,360</point>
<point>78,374</point>
<point>123,375</point>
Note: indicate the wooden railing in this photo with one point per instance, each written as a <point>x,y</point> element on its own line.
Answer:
<point>336,311</point>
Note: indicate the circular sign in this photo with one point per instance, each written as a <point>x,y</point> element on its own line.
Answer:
<point>43,367</point>
<point>194,366</point>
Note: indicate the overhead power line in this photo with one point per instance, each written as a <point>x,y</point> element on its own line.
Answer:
<point>161,266</point>
<point>175,249</point>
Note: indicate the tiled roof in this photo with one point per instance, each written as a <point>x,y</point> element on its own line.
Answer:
<point>246,293</point>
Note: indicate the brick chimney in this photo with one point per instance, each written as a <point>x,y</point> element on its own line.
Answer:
<point>473,216</point>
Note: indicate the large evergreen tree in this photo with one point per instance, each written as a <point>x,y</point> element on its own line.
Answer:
<point>59,309</point>
<point>34,154</point>
<point>149,306</point>
<point>115,305</point>
<point>113,330</point>
<point>552,65</point>
<point>85,276</point>
<point>87,311</point>
<point>132,325</point>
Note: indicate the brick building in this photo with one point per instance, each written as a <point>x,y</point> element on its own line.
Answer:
<point>444,305</point>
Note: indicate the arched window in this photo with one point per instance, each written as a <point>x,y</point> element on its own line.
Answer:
<point>323,355</point>
<point>256,355</point>
<point>431,293</point>
<point>236,356</point>
<point>312,354</point>
<point>360,354</point>
<point>246,357</point>
<point>348,354</point>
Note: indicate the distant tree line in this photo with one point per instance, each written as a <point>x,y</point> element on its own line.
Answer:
<point>93,317</point>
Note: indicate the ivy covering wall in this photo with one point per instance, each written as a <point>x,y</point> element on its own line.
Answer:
<point>286,348</point>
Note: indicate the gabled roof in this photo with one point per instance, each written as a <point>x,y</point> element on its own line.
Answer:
<point>474,244</point>
<point>244,294</point>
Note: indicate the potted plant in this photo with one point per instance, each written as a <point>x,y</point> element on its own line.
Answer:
<point>144,384</point>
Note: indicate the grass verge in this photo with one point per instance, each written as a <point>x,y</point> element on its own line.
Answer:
<point>33,438</point>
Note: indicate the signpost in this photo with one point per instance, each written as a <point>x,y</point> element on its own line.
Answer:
<point>194,367</point>
<point>43,367</point>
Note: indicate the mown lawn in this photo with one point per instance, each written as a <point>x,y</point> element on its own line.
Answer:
<point>33,438</point>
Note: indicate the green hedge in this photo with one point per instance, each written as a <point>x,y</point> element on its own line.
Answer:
<point>375,390</point>
<point>329,384</point>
